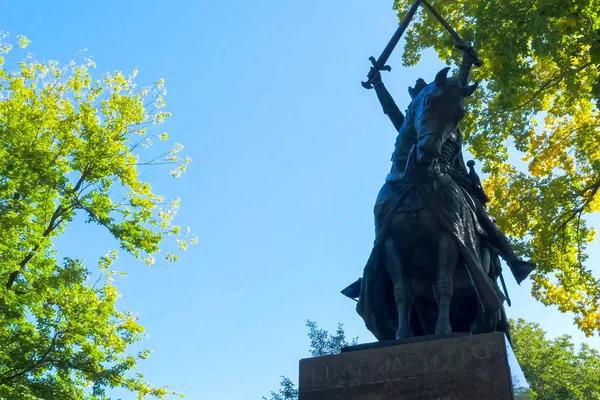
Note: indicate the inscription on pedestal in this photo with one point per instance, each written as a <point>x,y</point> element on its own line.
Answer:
<point>434,370</point>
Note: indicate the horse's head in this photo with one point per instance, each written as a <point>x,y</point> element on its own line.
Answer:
<point>436,111</point>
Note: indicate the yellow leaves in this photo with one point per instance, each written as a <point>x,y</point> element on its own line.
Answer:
<point>496,184</point>
<point>130,324</point>
<point>589,323</point>
<point>551,148</point>
<point>594,204</point>
<point>132,159</point>
<point>149,260</point>
<point>142,202</point>
<point>23,41</point>
<point>553,294</point>
<point>160,117</point>
<point>171,257</point>
<point>5,48</point>
<point>177,147</point>
<point>107,260</point>
<point>177,172</point>
<point>163,136</point>
<point>571,21</point>
<point>144,189</point>
<point>167,216</point>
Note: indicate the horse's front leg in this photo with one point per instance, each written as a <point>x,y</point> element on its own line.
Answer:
<point>443,288</point>
<point>403,291</point>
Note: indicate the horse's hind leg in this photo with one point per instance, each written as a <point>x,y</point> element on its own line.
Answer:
<point>403,291</point>
<point>443,288</point>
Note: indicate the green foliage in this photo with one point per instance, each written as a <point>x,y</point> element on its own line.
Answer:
<point>553,369</point>
<point>287,391</point>
<point>70,146</point>
<point>542,61</point>
<point>322,343</point>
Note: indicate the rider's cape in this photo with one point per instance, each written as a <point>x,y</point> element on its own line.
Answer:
<point>376,301</point>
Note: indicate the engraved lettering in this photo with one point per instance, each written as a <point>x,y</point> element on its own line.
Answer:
<point>345,370</point>
<point>317,374</point>
<point>339,371</point>
<point>386,367</point>
<point>454,357</point>
<point>354,372</point>
<point>398,364</point>
<point>435,358</point>
<point>416,361</point>
<point>481,351</point>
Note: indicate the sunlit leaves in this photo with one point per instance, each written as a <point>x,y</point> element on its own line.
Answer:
<point>541,63</point>
<point>554,369</point>
<point>71,146</point>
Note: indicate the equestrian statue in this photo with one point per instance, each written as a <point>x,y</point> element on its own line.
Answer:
<point>435,262</point>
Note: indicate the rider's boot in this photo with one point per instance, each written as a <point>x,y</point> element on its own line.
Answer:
<point>519,268</point>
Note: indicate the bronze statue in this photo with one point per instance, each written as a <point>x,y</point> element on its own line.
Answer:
<point>434,265</point>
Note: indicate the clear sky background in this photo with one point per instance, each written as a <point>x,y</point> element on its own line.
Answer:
<point>289,152</point>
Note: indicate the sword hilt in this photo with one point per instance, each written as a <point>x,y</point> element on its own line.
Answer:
<point>368,84</point>
<point>462,46</point>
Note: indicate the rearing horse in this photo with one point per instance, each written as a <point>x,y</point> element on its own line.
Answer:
<point>428,240</point>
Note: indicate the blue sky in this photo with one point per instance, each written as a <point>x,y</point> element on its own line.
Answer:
<point>289,152</point>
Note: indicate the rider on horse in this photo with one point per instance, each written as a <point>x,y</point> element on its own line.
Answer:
<point>468,181</point>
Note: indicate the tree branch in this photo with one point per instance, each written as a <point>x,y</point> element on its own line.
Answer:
<point>52,225</point>
<point>579,210</point>
<point>37,363</point>
<point>549,83</point>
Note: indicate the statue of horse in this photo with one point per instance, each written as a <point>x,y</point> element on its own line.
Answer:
<point>429,271</point>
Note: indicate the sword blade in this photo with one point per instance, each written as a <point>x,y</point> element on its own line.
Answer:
<point>379,64</point>
<point>451,31</point>
<point>385,54</point>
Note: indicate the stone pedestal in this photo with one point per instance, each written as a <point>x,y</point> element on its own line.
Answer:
<point>455,367</point>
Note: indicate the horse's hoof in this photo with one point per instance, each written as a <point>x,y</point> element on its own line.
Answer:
<point>442,328</point>
<point>403,334</point>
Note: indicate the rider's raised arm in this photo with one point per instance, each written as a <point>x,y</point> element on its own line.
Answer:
<point>469,58</point>
<point>387,101</point>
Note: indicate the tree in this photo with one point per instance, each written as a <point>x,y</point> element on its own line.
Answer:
<point>287,391</point>
<point>552,368</point>
<point>322,343</point>
<point>540,100</point>
<point>71,148</point>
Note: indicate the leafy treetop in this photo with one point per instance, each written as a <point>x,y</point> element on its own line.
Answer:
<point>71,146</point>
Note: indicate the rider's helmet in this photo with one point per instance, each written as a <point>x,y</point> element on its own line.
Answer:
<point>418,87</point>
